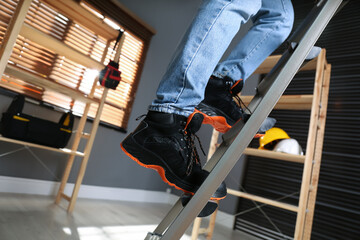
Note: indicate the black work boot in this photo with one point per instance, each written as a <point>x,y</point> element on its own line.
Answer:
<point>220,109</point>
<point>165,142</point>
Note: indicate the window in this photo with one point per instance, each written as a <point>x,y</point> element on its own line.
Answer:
<point>51,18</point>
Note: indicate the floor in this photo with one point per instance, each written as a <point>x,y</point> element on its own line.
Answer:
<point>34,217</point>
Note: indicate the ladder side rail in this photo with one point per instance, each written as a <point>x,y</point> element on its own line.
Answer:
<point>87,152</point>
<point>310,147</point>
<point>231,154</point>
<point>317,156</point>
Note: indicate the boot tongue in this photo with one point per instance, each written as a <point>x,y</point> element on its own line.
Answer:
<point>194,122</point>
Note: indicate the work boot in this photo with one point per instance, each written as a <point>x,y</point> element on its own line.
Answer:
<point>166,143</point>
<point>220,109</point>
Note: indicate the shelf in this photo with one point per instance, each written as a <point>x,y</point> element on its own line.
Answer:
<point>275,155</point>
<point>47,84</point>
<point>60,150</point>
<point>263,200</point>
<point>270,62</point>
<point>59,47</point>
<point>317,104</point>
<point>288,102</point>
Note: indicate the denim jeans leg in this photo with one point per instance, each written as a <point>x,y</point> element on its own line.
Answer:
<point>200,50</point>
<point>272,25</point>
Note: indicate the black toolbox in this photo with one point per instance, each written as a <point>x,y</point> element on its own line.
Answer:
<point>17,125</point>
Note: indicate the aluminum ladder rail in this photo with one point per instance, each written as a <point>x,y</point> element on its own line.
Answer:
<point>235,141</point>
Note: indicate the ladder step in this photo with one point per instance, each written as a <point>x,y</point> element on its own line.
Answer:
<point>263,200</point>
<point>66,197</point>
<point>289,102</point>
<point>275,155</point>
<point>203,231</point>
<point>85,135</point>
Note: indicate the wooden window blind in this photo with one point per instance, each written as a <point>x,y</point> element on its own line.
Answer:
<point>36,59</point>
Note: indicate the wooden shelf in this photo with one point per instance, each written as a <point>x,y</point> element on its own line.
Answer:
<point>275,155</point>
<point>288,102</point>
<point>270,62</point>
<point>263,200</point>
<point>59,47</point>
<point>60,150</point>
<point>47,84</point>
<point>317,103</point>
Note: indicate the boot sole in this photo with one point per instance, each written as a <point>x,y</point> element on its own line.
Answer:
<point>219,123</point>
<point>214,117</point>
<point>165,172</point>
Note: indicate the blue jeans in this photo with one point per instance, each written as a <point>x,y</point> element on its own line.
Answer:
<point>198,55</point>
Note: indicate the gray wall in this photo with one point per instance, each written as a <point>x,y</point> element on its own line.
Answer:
<point>108,166</point>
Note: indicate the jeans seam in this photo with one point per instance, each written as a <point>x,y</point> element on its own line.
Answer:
<point>197,50</point>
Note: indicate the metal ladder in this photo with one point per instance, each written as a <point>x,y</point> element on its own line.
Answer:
<point>238,138</point>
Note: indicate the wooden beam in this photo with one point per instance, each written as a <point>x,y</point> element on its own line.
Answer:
<point>196,229</point>
<point>80,15</point>
<point>263,200</point>
<point>59,47</point>
<point>275,155</point>
<point>47,84</point>
<point>317,155</point>
<point>61,150</point>
<point>310,149</point>
<point>288,102</point>
<point>12,33</point>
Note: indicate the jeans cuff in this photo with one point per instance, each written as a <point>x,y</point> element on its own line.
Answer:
<point>169,109</point>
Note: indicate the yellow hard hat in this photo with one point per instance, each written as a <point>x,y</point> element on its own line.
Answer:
<point>271,135</point>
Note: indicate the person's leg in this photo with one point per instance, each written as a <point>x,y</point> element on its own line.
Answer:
<point>202,47</point>
<point>272,25</point>
<point>164,140</point>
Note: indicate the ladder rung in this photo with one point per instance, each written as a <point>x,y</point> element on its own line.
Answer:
<point>275,155</point>
<point>85,135</point>
<point>203,231</point>
<point>263,200</point>
<point>288,102</point>
<point>66,197</point>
